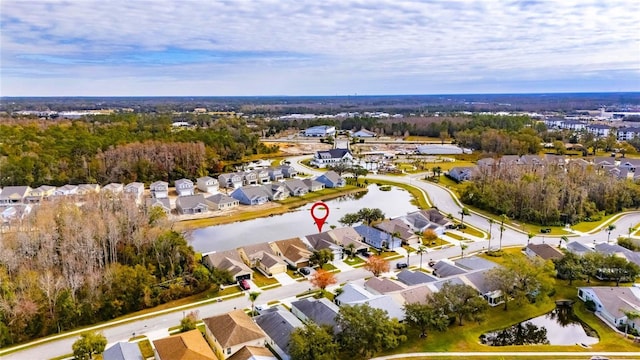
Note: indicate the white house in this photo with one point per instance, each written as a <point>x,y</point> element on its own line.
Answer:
<point>184,187</point>
<point>330,157</point>
<point>364,133</point>
<point>207,184</point>
<point>611,303</point>
<point>323,130</point>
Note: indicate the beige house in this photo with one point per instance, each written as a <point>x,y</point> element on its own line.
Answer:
<point>262,257</point>
<point>189,345</point>
<point>253,353</point>
<point>228,333</point>
<point>294,252</point>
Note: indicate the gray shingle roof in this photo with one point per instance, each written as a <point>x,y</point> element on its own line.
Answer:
<point>415,277</point>
<point>123,351</point>
<point>322,312</point>
<point>278,325</point>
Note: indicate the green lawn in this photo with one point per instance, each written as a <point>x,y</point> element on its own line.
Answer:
<point>353,261</point>
<point>330,267</point>
<point>261,280</point>
<point>437,242</point>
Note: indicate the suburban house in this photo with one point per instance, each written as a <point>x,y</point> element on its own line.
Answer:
<point>262,257</point>
<point>461,173</point>
<point>135,190</point>
<point>630,164</point>
<point>249,178</point>
<point>263,176</point>
<point>478,280</point>
<point>278,325</point>
<point>381,286</point>
<point>321,311</point>
<point>40,193</point>
<point>293,251</point>
<point>363,133</point>
<point>275,174</point>
<point>423,220</point>
<point>377,238</point>
<point>411,278</point>
<point>251,195</point>
<point>276,191</point>
<point>228,260</point>
<point>65,190</point>
<point>253,353</point>
<point>354,294</point>
<point>296,187</point>
<point>123,351</point>
<point>222,202</point>
<point>112,188</point>
<point>330,157</point>
<point>578,248</point>
<point>159,189</point>
<point>611,303</point>
<point>324,241</point>
<point>288,171</point>
<point>86,189</point>
<point>14,194</point>
<point>347,236</point>
<point>544,251</point>
<point>331,179</point>
<point>230,180</point>
<point>184,187</point>
<point>399,229</point>
<point>617,250</point>
<point>162,203</point>
<point>185,346</point>
<point>313,185</point>
<point>228,333</point>
<point>207,184</point>
<point>445,268</point>
<point>192,204</point>
<point>321,131</point>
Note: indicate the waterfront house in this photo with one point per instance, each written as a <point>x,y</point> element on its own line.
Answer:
<point>222,202</point>
<point>293,251</point>
<point>251,195</point>
<point>331,179</point>
<point>313,185</point>
<point>296,187</point>
<point>377,238</point>
<point>192,204</point>
<point>324,158</point>
<point>611,303</point>
<point>230,261</point>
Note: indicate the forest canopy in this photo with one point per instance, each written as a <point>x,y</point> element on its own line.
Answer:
<point>55,153</point>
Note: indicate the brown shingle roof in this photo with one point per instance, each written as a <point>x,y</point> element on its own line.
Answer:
<point>252,352</point>
<point>186,346</point>
<point>545,251</point>
<point>233,328</point>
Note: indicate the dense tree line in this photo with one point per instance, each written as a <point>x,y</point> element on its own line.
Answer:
<point>550,195</point>
<point>67,266</point>
<point>86,151</point>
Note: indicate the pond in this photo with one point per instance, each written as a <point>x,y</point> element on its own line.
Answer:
<point>393,203</point>
<point>559,327</point>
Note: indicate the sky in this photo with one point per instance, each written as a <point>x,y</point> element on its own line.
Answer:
<point>316,47</point>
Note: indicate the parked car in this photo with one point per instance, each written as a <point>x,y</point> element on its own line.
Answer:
<point>545,230</point>
<point>366,254</point>
<point>402,265</point>
<point>244,285</point>
<point>305,271</point>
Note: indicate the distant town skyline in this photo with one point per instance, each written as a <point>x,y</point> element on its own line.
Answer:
<point>302,48</point>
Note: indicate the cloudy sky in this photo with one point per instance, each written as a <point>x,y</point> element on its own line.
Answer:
<point>316,47</point>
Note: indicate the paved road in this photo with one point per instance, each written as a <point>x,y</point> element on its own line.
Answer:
<point>155,325</point>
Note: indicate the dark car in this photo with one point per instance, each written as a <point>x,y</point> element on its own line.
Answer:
<point>545,230</point>
<point>402,265</point>
<point>305,271</point>
<point>244,284</point>
<point>431,263</point>
<point>366,254</point>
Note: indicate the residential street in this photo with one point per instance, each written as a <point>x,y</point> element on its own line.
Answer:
<point>155,325</point>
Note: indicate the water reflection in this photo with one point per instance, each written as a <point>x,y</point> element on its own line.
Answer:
<point>559,327</point>
<point>299,222</point>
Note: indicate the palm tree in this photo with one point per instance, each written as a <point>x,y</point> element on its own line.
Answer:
<point>503,217</point>
<point>610,228</point>
<point>352,249</point>
<point>463,247</point>
<point>464,211</point>
<point>631,315</point>
<point>252,297</point>
<point>491,221</point>
<point>409,251</point>
<point>529,237</point>
<point>421,250</point>
<point>563,238</point>
<point>631,229</point>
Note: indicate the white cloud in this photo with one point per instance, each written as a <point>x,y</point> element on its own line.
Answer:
<point>311,47</point>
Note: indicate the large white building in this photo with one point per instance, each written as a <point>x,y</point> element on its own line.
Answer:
<point>323,130</point>
<point>439,149</point>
